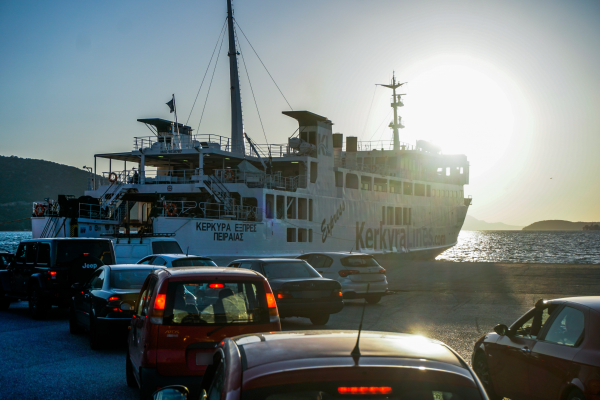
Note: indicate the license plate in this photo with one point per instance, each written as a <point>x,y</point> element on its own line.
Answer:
<point>312,294</point>
<point>204,358</point>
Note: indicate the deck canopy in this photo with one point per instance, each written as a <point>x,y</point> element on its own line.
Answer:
<point>163,125</point>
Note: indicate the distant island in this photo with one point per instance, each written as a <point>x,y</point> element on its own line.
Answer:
<point>474,224</point>
<point>559,225</point>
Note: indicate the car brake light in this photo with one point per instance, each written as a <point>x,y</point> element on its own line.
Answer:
<point>364,390</point>
<point>345,272</point>
<point>111,298</point>
<point>52,274</point>
<point>216,285</point>
<point>382,271</point>
<point>86,254</point>
<point>159,303</point>
<point>340,294</point>
<point>284,296</point>
<point>271,301</point>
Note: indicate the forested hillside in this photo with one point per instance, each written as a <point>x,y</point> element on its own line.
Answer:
<point>24,180</point>
<point>556,225</point>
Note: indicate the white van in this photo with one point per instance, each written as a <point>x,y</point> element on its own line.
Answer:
<point>129,250</point>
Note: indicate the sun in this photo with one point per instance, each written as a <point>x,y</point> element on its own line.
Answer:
<point>462,109</point>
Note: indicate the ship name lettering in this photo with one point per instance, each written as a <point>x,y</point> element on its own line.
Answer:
<point>379,238</point>
<point>327,228</point>
<point>228,237</point>
<point>213,227</point>
<point>245,227</point>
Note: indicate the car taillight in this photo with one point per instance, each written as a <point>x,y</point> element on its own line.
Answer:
<point>340,294</point>
<point>53,274</point>
<point>216,286</point>
<point>158,309</point>
<point>382,271</point>
<point>364,390</point>
<point>159,303</point>
<point>284,296</point>
<point>112,298</point>
<point>345,272</point>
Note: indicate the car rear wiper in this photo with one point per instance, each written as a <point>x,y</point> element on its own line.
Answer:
<point>223,326</point>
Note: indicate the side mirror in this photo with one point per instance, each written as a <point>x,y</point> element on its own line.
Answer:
<point>175,392</point>
<point>126,306</point>
<point>501,330</point>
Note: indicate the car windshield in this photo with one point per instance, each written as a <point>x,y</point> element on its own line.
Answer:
<point>194,262</point>
<point>378,390</point>
<point>70,250</point>
<point>166,247</point>
<point>359,261</point>
<point>285,270</point>
<point>128,278</point>
<point>216,303</point>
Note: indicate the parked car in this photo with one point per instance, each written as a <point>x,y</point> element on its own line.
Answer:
<point>44,270</point>
<point>326,365</point>
<point>130,249</point>
<point>182,314</point>
<point>104,304</point>
<point>5,259</point>
<point>551,352</point>
<point>177,260</point>
<point>299,290</point>
<point>353,271</point>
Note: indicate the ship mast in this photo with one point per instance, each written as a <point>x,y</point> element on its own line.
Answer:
<point>396,102</point>
<point>237,126</point>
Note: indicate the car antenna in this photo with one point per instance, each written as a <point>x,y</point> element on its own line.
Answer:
<point>187,251</point>
<point>356,351</point>
<point>351,249</point>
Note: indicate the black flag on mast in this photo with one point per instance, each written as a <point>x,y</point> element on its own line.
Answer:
<point>171,104</point>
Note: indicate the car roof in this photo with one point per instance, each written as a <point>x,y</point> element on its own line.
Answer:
<point>178,256</point>
<point>267,260</point>
<point>592,302</point>
<point>298,345</point>
<point>336,253</point>
<point>193,272</point>
<point>134,266</point>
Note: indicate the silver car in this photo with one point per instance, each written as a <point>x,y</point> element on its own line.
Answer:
<point>353,271</point>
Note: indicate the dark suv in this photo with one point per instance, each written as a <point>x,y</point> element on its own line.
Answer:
<point>43,271</point>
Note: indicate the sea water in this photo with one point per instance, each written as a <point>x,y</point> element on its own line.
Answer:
<point>561,247</point>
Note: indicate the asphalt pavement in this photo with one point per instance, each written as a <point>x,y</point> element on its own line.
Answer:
<point>452,302</point>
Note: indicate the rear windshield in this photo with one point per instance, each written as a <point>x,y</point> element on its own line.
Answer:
<point>359,261</point>
<point>285,270</point>
<point>68,251</point>
<point>166,247</point>
<point>129,278</point>
<point>194,262</point>
<point>197,303</point>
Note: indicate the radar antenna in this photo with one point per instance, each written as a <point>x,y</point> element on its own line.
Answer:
<point>396,102</point>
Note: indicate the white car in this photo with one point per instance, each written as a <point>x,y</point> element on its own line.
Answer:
<point>177,260</point>
<point>353,271</point>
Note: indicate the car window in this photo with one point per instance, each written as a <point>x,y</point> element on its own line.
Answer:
<point>70,250</point>
<point>534,323</point>
<point>97,280</point>
<point>246,265</point>
<point>216,387</point>
<point>21,251</point>
<point>567,328</point>
<point>129,278</point>
<point>193,262</point>
<point>43,253</point>
<point>318,261</point>
<point>215,303</point>
<point>31,253</point>
<point>159,261</point>
<point>234,265</point>
<point>166,247</point>
<point>285,270</point>
<point>145,297</point>
<point>147,260</point>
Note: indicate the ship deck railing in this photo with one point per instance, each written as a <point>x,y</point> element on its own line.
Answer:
<point>210,210</point>
<point>193,176</point>
<point>99,212</point>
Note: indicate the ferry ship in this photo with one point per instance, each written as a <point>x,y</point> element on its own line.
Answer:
<point>228,197</point>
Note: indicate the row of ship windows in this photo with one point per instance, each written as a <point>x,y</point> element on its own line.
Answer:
<point>396,215</point>
<point>399,187</point>
<point>288,207</point>
<point>299,235</point>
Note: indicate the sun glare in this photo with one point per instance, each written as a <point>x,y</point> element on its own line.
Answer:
<point>461,109</point>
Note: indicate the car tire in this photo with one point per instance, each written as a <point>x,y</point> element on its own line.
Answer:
<point>74,326</point>
<point>95,339</point>
<point>4,302</point>
<point>576,394</point>
<point>373,299</point>
<point>131,382</point>
<point>38,305</point>
<point>319,319</point>
<point>483,373</point>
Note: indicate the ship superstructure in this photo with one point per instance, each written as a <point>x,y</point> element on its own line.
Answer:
<point>228,197</point>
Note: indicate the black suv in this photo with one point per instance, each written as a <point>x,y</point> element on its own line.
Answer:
<point>43,271</point>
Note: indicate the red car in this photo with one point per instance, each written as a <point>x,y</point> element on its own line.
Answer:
<point>551,352</point>
<point>324,365</point>
<point>182,315</point>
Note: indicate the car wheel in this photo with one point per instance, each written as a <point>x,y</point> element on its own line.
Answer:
<point>483,373</point>
<point>95,339</point>
<point>4,302</point>
<point>38,305</point>
<point>74,326</point>
<point>131,382</point>
<point>373,299</point>
<point>319,319</point>
<point>576,394</point>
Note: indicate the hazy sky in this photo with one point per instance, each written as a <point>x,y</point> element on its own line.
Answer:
<point>513,84</point>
